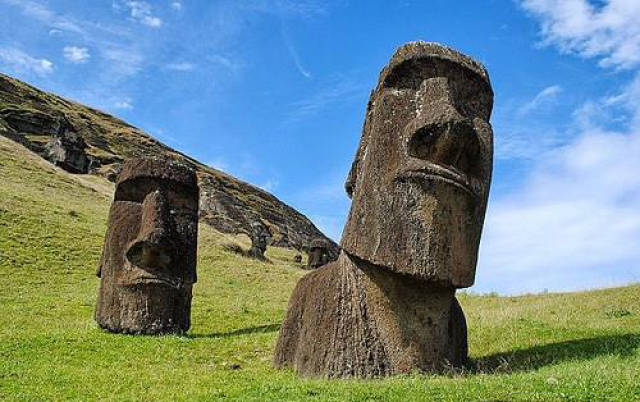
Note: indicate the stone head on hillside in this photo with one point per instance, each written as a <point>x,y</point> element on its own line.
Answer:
<point>318,253</point>
<point>148,264</point>
<point>260,236</point>
<point>419,184</point>
<point>420,179</point>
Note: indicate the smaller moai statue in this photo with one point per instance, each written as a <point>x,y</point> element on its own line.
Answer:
<point>260,235</point>
<point>148,264</point>
<point>318,254</point>
<point>297,259</point>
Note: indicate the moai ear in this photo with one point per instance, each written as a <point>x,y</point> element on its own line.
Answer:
<point>352,177</point>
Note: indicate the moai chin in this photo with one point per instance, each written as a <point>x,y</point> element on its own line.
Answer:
<point>419,184</point>
<point>148,264</point>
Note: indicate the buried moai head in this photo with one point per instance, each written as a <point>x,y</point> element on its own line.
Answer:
<point>260,235</point>
<point>318,253</point>
<point>148,264</point>
<point>420,179</point>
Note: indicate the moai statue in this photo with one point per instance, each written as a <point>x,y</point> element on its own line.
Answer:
<point>297,259</point>
<point>260,235</point>
<point>419,184</point>
<point>318,254</point>
<point>148,264</point>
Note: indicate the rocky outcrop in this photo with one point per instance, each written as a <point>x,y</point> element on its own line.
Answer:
<point>65,132</point>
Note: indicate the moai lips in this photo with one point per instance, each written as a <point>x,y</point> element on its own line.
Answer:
<point>148,264</point>
<point>419,184</point>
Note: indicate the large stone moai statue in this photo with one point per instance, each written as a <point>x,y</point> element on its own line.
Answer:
<point>419,184</point>
<point>148,264</point>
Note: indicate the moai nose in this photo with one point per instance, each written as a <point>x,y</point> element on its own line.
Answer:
<point>153,249</point>
<point>439,133</point>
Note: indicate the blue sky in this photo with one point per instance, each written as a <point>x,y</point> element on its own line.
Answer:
<point>274,93</point>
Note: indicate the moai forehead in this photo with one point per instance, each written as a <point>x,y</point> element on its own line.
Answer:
<point>162,170</point>
<point>420,178</point>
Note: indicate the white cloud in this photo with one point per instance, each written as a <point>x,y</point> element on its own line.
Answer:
<point>142,12</point>
<point>176,5</point>
<point>608,29</point>
<point>294,53</point>
<point>230,64</point>
<point>544,97</point>
<point>77,55</point>
<point>43,14</point>
<point>21,62</point>
<point>338,90</point>
<point>125,61</point>
<point>575,222</point>
<point>270,185</point>
<point>124,104</point>
<point>181,66</point>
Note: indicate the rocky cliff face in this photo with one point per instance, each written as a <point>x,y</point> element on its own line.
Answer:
<point>84,140</point>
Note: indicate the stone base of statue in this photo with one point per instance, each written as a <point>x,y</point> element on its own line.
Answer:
<point>354,319</point>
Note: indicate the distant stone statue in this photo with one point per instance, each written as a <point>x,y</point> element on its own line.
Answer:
<point>318,254</point>
<point>419,183</point>
<point>148,264</point>
<point>260,235</point>
<point>297,259</point>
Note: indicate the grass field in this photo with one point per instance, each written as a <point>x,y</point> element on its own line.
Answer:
<point>574,346</point>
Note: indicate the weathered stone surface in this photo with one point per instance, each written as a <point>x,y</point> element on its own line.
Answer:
<point>148,264</point>
<point>260,236</point>
<point>319,254</point>
<point>226,203</point>
<point>419,183</point>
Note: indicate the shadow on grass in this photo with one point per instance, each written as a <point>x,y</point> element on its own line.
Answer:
<point>543,355</point>
<point>242,331</point>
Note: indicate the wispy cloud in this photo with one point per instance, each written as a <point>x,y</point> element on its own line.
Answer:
<point>288,8</point>
<point>75,54</point>
<point>336,90</point>
<point>126,61</point>
<point>605,29</point>
<point>544,97</point>
<point>124,104</point>
<point>176,5</point>
<point>293,52</point>
<point>18,61</point>
<point>181,66</point>
<point>43,14</point>
<point>140,11</point>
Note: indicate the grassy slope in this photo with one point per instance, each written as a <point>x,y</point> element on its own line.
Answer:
<point>554,346</point>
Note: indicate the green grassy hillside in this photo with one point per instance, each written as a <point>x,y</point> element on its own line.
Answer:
<point>574,346</point>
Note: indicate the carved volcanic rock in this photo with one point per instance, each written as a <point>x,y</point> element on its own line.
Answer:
<point>420,183</point>
<point>148,264</point>
<point>38,120</point>
<point>353,319</point>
